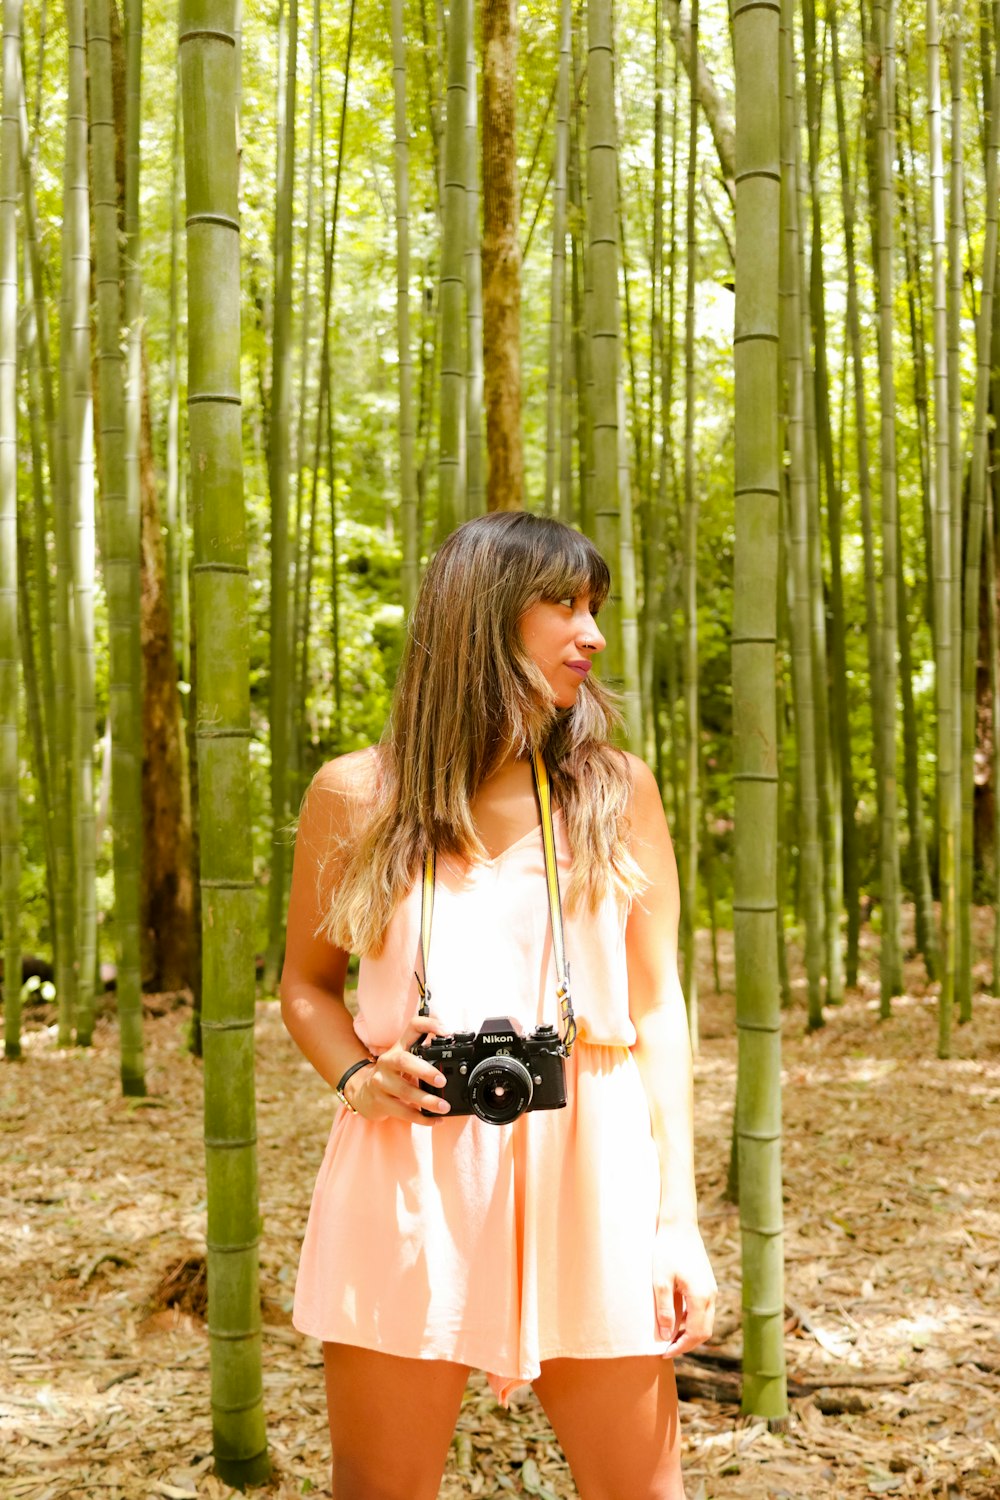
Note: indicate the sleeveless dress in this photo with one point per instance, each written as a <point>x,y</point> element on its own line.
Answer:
<point>494,1246</point>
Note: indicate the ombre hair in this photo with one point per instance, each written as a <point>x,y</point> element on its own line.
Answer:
<point>468,695</point>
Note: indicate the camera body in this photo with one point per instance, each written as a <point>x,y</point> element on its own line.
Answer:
<point>497,1073</point>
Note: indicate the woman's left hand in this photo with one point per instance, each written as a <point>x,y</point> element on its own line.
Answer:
<point>684,1286</point>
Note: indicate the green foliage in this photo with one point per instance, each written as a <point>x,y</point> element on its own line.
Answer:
<point>364,356</point>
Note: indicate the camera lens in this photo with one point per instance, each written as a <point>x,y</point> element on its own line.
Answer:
<point>500,1089</point>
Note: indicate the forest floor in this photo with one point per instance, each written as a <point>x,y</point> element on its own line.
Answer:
<point>892,1256</point>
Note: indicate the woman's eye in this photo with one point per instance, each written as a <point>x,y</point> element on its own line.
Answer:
<point>567,599</point>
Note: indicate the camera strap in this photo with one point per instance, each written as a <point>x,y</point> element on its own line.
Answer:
<point>567,1019</point>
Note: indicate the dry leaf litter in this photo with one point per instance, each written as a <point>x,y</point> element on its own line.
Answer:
<point>892,1250</point>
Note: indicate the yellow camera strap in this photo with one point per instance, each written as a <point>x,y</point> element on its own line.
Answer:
<point>567,1020</point>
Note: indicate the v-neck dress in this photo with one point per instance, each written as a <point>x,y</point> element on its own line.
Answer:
<point>494,1246</point>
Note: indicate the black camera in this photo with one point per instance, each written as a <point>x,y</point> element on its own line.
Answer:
<point>497,1073</point>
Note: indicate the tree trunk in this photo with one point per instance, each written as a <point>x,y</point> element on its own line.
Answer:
<point>208,57</point>
<point>956,214</point>
<point>475,500</point>
<point>993,641</point>
<point>716,111</point>
<point>168,890</point>
<point>758,1104</point>
<point>121,552</point>
<point>501,259</point>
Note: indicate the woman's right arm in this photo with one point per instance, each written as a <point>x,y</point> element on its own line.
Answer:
<point>315,971</point>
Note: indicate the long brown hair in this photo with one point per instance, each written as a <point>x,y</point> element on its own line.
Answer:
<point>467,696</point>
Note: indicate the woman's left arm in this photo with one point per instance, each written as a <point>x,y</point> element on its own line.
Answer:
<point>684,1283</point>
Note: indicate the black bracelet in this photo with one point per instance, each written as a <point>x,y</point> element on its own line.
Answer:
<point>366,1062</point>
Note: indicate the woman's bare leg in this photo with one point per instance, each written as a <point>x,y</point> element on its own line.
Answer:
<point>616,1421</point>
<point>391,1421</point>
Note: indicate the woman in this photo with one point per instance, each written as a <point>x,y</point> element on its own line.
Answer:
<point>561,1249</point>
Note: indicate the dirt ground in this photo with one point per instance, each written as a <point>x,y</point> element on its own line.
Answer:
<point>892,1250</point>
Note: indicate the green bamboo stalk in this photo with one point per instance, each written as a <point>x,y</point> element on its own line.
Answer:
<point>919,869</point>
<point>924,919</point>
<point>829,851</point>
<point>43,408</point>
<point>64,780</point>
<point>872,633</point>
<point>174,497</point>
<point>602,196</point>
<point>208,55</point>
<point>945,665</point>
<point>475,494</point>
<point>121,555</point>
<point>758,1104</point>
<point>80,434</point>
<point>832,724</point>
<point>567,506</point>
<point>451,443</point>
<point>654,492</point>
<point>631,699</point>
<point>553,500</point>
<point>326,376</point>
<point>301,527</point>
<point>973,553</point>
<point>10,663</point>
<point>581,312</point>
<point>132,307</point>
<point>915,258</point>
<point>307,510</point>
<point>39,670</point>
<point>407,468</point>
<point>890,966</point>
<point>802,661</point>
<point>279,477</point>
<point>692,720</point>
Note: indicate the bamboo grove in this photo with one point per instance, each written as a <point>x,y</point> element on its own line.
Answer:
<point>716,285</point>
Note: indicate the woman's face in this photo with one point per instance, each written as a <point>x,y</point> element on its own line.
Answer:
<point>561,637</point>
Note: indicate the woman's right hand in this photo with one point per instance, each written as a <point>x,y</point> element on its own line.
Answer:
<point>390,1089</point>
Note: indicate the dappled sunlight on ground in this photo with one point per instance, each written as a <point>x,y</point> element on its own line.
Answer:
<point>891,1240</point>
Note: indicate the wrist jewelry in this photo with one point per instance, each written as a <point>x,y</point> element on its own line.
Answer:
<point>366,1062</point>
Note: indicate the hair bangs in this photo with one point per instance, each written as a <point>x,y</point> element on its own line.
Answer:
<point>570,564</point>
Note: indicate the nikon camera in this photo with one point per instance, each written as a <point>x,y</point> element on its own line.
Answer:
<point>497,1073</point>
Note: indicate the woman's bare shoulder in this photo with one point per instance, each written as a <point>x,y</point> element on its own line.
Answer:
<point>356,774</point>
<point>342,793</point>
<point>642,778</point>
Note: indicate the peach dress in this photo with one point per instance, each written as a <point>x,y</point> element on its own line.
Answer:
<point>494,1246</point>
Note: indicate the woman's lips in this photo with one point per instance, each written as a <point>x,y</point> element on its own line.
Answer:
<point>583,667</point>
